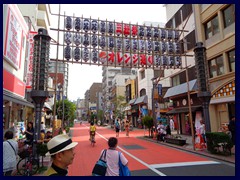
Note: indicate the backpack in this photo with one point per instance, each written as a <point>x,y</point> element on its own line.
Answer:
<point>117,125</point>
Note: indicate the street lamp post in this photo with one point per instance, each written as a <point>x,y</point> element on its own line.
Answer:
<point>39,91</point>
<point>154,83</point>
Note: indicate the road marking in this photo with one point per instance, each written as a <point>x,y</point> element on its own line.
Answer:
<point>165,165</point>
<point>137,159</point>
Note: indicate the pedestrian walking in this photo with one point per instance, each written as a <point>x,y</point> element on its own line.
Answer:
<point>112,158</point>
<point>61,150</point>
<point>231,128</point>
<point>127,125</point>
<point>10,151</point>
<point>117,127</point>
<point>172,126</point>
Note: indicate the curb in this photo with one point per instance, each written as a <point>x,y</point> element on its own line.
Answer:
<point>218,157</point>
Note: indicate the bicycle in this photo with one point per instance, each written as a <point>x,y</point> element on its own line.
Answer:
<point>27,165</point>
<point>92,138</point>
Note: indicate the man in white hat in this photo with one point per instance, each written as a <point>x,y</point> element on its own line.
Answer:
<point>61,149</point>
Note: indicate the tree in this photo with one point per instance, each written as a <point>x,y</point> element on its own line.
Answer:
<point>69,111</point>
<point>148,122</point>
<point>120,104</point>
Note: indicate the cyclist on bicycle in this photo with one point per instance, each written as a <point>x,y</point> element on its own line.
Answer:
<point>92,131</point>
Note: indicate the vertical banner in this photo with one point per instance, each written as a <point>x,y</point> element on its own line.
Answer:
<point>30,59</point>
<point>13,41</point>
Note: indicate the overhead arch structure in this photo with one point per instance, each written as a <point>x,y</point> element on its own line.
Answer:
<point>109,43</point>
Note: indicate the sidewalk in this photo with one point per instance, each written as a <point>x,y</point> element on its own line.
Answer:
<point>189,147</point>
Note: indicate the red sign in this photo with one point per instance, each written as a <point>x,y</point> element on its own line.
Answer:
<point>30,59</point>
<point>13,84</point>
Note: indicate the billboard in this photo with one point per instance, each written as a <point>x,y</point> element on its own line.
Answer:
<point>102,42</point>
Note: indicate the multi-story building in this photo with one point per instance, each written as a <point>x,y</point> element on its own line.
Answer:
<point>215,27</point>
<point>20,23</point>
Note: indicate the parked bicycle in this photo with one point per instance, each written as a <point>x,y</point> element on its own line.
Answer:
<point>27,165</point>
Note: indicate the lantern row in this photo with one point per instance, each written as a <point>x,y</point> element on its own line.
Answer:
<point>127,30</point>
<point>122,44</point>
<point>122,59</point>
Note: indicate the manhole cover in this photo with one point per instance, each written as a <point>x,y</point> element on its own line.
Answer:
<point>133,147</point>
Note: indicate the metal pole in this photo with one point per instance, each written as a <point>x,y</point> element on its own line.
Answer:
<point>153,104</point>
<point>188,92</point>
<point>63,107</point>
<point>56,72</point>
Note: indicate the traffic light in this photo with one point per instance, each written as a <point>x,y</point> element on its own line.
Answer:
<point>40,60</point>
<point>201,67</point>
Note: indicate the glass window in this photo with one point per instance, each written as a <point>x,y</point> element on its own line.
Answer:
<point>211,27</point>
<point>229,15</point>
<point>175,81</point>
<point>216,67</point>
<point>231,60</point>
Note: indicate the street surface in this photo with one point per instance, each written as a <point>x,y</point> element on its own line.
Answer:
<point>145,158</point>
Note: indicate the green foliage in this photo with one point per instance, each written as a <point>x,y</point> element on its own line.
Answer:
<point>42,149</point>
<point>69,110</point>
<point>148,122</point>
<point>217,141</point>
<point>119,105</point>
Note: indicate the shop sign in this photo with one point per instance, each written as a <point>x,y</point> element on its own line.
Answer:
<point>30,59</point>
<point>15,32</point>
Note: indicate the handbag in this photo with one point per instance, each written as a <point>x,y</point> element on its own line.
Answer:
<point>100,167</point>
<point>123,170</point>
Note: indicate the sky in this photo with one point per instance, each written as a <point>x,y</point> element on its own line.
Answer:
<point>81,77</point>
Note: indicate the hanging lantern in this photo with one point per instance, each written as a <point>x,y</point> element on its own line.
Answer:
<point>77,54</point>
<point>127,59</point>
<point>118,29</point>
<point>155,33</point>
<point>86,25</point>
<point>170,48</point>
<point>78,24</point>
<point>94,55</point>
<point>68,23</point>
<point>85,54</point>
<point>119,43</point>
<point>67,52</point>
<point>141,45</point>
<point>134,45</point>
<point>169,34</point>
<point>163,46</point>
<point>156,46</point>
<point>68,38</point>
<point>134,59</point>
<point>162,33</point>
<point>119,58</point>
<point>157,60</point>
<point>126,30</point>
<point>141,31</point>
<point>134,30</point>
<point>111,43</point>
<point>102,27</point>
<point>110,28</point>
<point>149,45</point>
<point>149,32</point>
<point>143,59</point>
<point>94,26</point>
<point>77,39</point>
<point>111,57</point>
<point>102,42</point>
<point>94,40</point>
<point>126,45</point>
<point>103,57</point>
<point>178,61</point>
<point>164,60</point>
<point>149,60</point>
<point>86,39</point>
<point>171,61</point>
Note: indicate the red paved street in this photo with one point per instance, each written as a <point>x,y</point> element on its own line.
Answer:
<point>139,158</point>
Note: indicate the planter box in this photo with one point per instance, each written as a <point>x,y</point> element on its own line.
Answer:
<point>179,142</point>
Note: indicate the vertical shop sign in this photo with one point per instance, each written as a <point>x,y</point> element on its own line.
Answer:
<point>30,59</point>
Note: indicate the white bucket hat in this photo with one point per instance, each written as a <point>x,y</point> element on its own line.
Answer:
<point>60,143</point>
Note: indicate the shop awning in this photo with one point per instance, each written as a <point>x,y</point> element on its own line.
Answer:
<point>16,99</point>
<point>142,99</point>
<point>184,110</point>
<point>131,101</point>
<point>48,106</point>
<point>181,89</point>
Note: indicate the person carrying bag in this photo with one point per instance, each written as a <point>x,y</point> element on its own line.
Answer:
<point>123,170</point>
<point>100,167</point>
